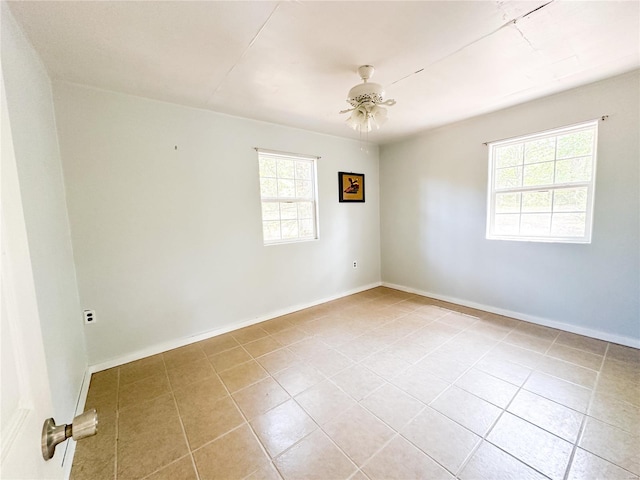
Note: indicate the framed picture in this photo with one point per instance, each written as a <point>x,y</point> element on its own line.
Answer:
<point>350,187</point>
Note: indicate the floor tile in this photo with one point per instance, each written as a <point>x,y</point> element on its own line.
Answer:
<point>324,401</point>
<point>538,331</point>
<point>504,369</point>
<point>444,365</point>
<point>290,336</point>
<point>277,361</point>
<point>149,437</point>
<point>466,409</point>
<point>275,325</point>
<point>298,378</point>
<point>584,377</point>
<point>400,459</point>
<point>616,412</point>
<point>189,373</point>
<point>568,394</point>
<point>181,469</point>
<point>180,356</point>
<point>229,359</point>
<point>491,463</point>
<point>357,381</point>
<point>248,334</point>
<point>268,472</point>
<point>385,364</point>
<point>314,458</point>
<point>199,394</point>
<point>523,340</point>
<point>218,344</point>
<point>578,357</point>
<point>282,426</point>
<point>420,384</point>
<point>358,433</point>
<point>330,362</point>
<point>623,354</point>
<point>235,455</point>
<point>260,397</point>
<point>262,346</point>
<point>537,448</point>
<point>243,375</point>
<point>612,444</point>
<point>580,342</point>
<point>210,420</point>
<point>143,390</point>
<point>487,387</point>
<point>392,406</point>
<point>441,438</point>
<point>548,415</point>
<point>104,381</point>
<point>586,466</point>
<point>622,389</point>
<point>141,369</point>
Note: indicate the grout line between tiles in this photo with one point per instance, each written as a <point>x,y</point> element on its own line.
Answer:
<point>184,431</point>
<point>115,470</point>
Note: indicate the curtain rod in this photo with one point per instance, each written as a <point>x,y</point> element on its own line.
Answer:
<point>603,118</point>
<point>284,154</point>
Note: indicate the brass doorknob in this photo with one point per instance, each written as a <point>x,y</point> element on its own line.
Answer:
<point>84,425</point>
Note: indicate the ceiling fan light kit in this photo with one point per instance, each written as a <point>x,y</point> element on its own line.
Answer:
<point>367,99</point>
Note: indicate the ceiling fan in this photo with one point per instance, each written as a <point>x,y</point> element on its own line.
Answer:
<point>367,100</point>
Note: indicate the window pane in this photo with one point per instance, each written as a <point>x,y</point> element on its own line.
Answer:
<point>306,229</point>
<point>267,167</point>
<point>509,155</point>
<point>508,203</point>
<point>535,224</point>
<point>289,229</point>
<point>540,150</point>
<point>538,174</point>
<point>575,144</point>
<point>568,224</point>
<point>570,200</point>
<point>305,210</point>
<point>536,202</point>
<point>304,170</point>
<point>288,211</point>
<point>507,224</point>
<point>509,177</point>
<point>286,188</point>
<point>304,189</point>
<point>268,187</point>
<point>285,168</point>
<point>271,231</point>
<point>270,211</point>
<point>574,170</point>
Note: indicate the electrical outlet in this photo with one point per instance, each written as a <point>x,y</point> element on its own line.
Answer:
<point>89,316</point>
<point>355,264</point>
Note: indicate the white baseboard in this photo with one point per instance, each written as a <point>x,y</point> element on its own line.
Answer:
<point>181,342</point>
<point>567,327</point>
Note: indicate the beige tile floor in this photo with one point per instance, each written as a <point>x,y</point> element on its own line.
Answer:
<point>378,385</point>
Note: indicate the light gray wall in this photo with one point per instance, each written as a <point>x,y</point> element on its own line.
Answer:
<point>30,107</point>
<point>433,218</point>
<point>168,243</point>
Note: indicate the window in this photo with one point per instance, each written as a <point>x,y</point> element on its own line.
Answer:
<point>541,186</point>
<point>288,193</point>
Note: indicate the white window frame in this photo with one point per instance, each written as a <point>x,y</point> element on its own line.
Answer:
<point>312,160</point>
<point>491,234</point>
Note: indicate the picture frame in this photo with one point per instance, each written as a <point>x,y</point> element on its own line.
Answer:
<point>351,187</point>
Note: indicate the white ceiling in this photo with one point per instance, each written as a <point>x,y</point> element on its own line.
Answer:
<point>292,63</point>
